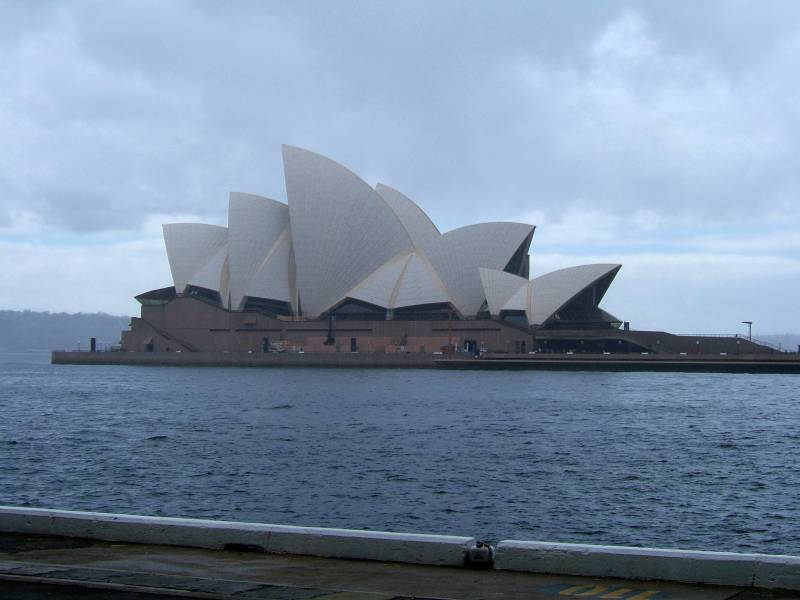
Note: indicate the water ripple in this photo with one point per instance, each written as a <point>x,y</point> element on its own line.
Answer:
<point>707,461</point>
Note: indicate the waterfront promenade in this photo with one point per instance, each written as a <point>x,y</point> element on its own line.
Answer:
<point>63,554</point>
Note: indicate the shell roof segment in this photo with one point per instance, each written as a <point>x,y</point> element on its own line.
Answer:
<point>405,281</point>
<point>214,274</point>
<point>190,246</point>
<point>522,300</point>
<point>554,290</point>
<point>271,278</point>
<point>419,284</point>
<point>457,255</point>
<point>255,224</point>
<point>379,287</point>
<point>499,287</point>
<point>342,229</point>
<point>418,224</point>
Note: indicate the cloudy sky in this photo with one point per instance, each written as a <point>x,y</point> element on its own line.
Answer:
<point>661,135</point>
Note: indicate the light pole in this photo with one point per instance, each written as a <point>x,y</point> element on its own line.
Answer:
<point>749,330</point>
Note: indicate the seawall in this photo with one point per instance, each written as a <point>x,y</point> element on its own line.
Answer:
<point>703,363</point>
<point>690,363</point>
<point>581,560</point>
<point>245,359</point>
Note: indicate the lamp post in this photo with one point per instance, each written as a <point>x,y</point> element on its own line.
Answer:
<point>749,330</point>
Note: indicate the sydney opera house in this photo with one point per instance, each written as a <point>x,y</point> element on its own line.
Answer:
<point>345,267</point>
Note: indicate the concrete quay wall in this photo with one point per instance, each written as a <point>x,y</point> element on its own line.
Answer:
<point>699,363</point>
<point>649,564</point>
<point>654,564</point>
<point>778,363</point>
<point>245,359</point>
<point>442,550</point>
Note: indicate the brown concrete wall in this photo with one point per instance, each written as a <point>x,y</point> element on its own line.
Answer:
<point>193,324</point>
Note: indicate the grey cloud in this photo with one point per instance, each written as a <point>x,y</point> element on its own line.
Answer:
<point>120,110</point>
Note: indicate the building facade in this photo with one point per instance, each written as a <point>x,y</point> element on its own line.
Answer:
<point>347,267</point>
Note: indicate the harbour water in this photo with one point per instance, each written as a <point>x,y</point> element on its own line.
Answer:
<point>704,461</point>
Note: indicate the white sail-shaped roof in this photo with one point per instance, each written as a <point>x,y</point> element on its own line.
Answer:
<point>378,288</point>
<point>339,238</point>
<point>418,284</point>
<point>405,281</point>
<point>212,275</point>
<point>254,225</point>
<point>418,224</point>
<point>189,247</point>
<point>499,287</point>
<point>553,290</point>
<point>271,279</point>
<point>522,300</point>
<point>342,229</point>
<point>457,255</point>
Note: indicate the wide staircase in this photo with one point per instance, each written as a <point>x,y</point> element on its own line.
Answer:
<point>657,342</point>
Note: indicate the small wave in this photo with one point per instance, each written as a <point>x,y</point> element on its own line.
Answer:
<point>399,478</point>
<point>280,407</point>
<point>589,532</point>
<point>156,438</point>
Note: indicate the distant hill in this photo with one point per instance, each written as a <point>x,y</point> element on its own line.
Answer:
<point>28,330</point>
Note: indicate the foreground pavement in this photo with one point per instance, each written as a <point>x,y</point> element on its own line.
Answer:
<point>36,566</point>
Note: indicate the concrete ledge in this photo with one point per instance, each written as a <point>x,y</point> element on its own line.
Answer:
<point>246,359</point>
<point>777,572</point>
<point>279,539</point>
<point>716,568</point>
<point>690,566</point>
<point>780,363</point>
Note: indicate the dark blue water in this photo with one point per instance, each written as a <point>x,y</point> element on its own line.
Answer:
<point>707,461</point>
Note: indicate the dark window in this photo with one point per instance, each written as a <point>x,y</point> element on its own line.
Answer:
<point>267,307</point>
<point>441,311</point>
<point>356,310</point>
<point>204,294</point>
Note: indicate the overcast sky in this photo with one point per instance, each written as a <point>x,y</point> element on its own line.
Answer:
<point>661,135</point>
